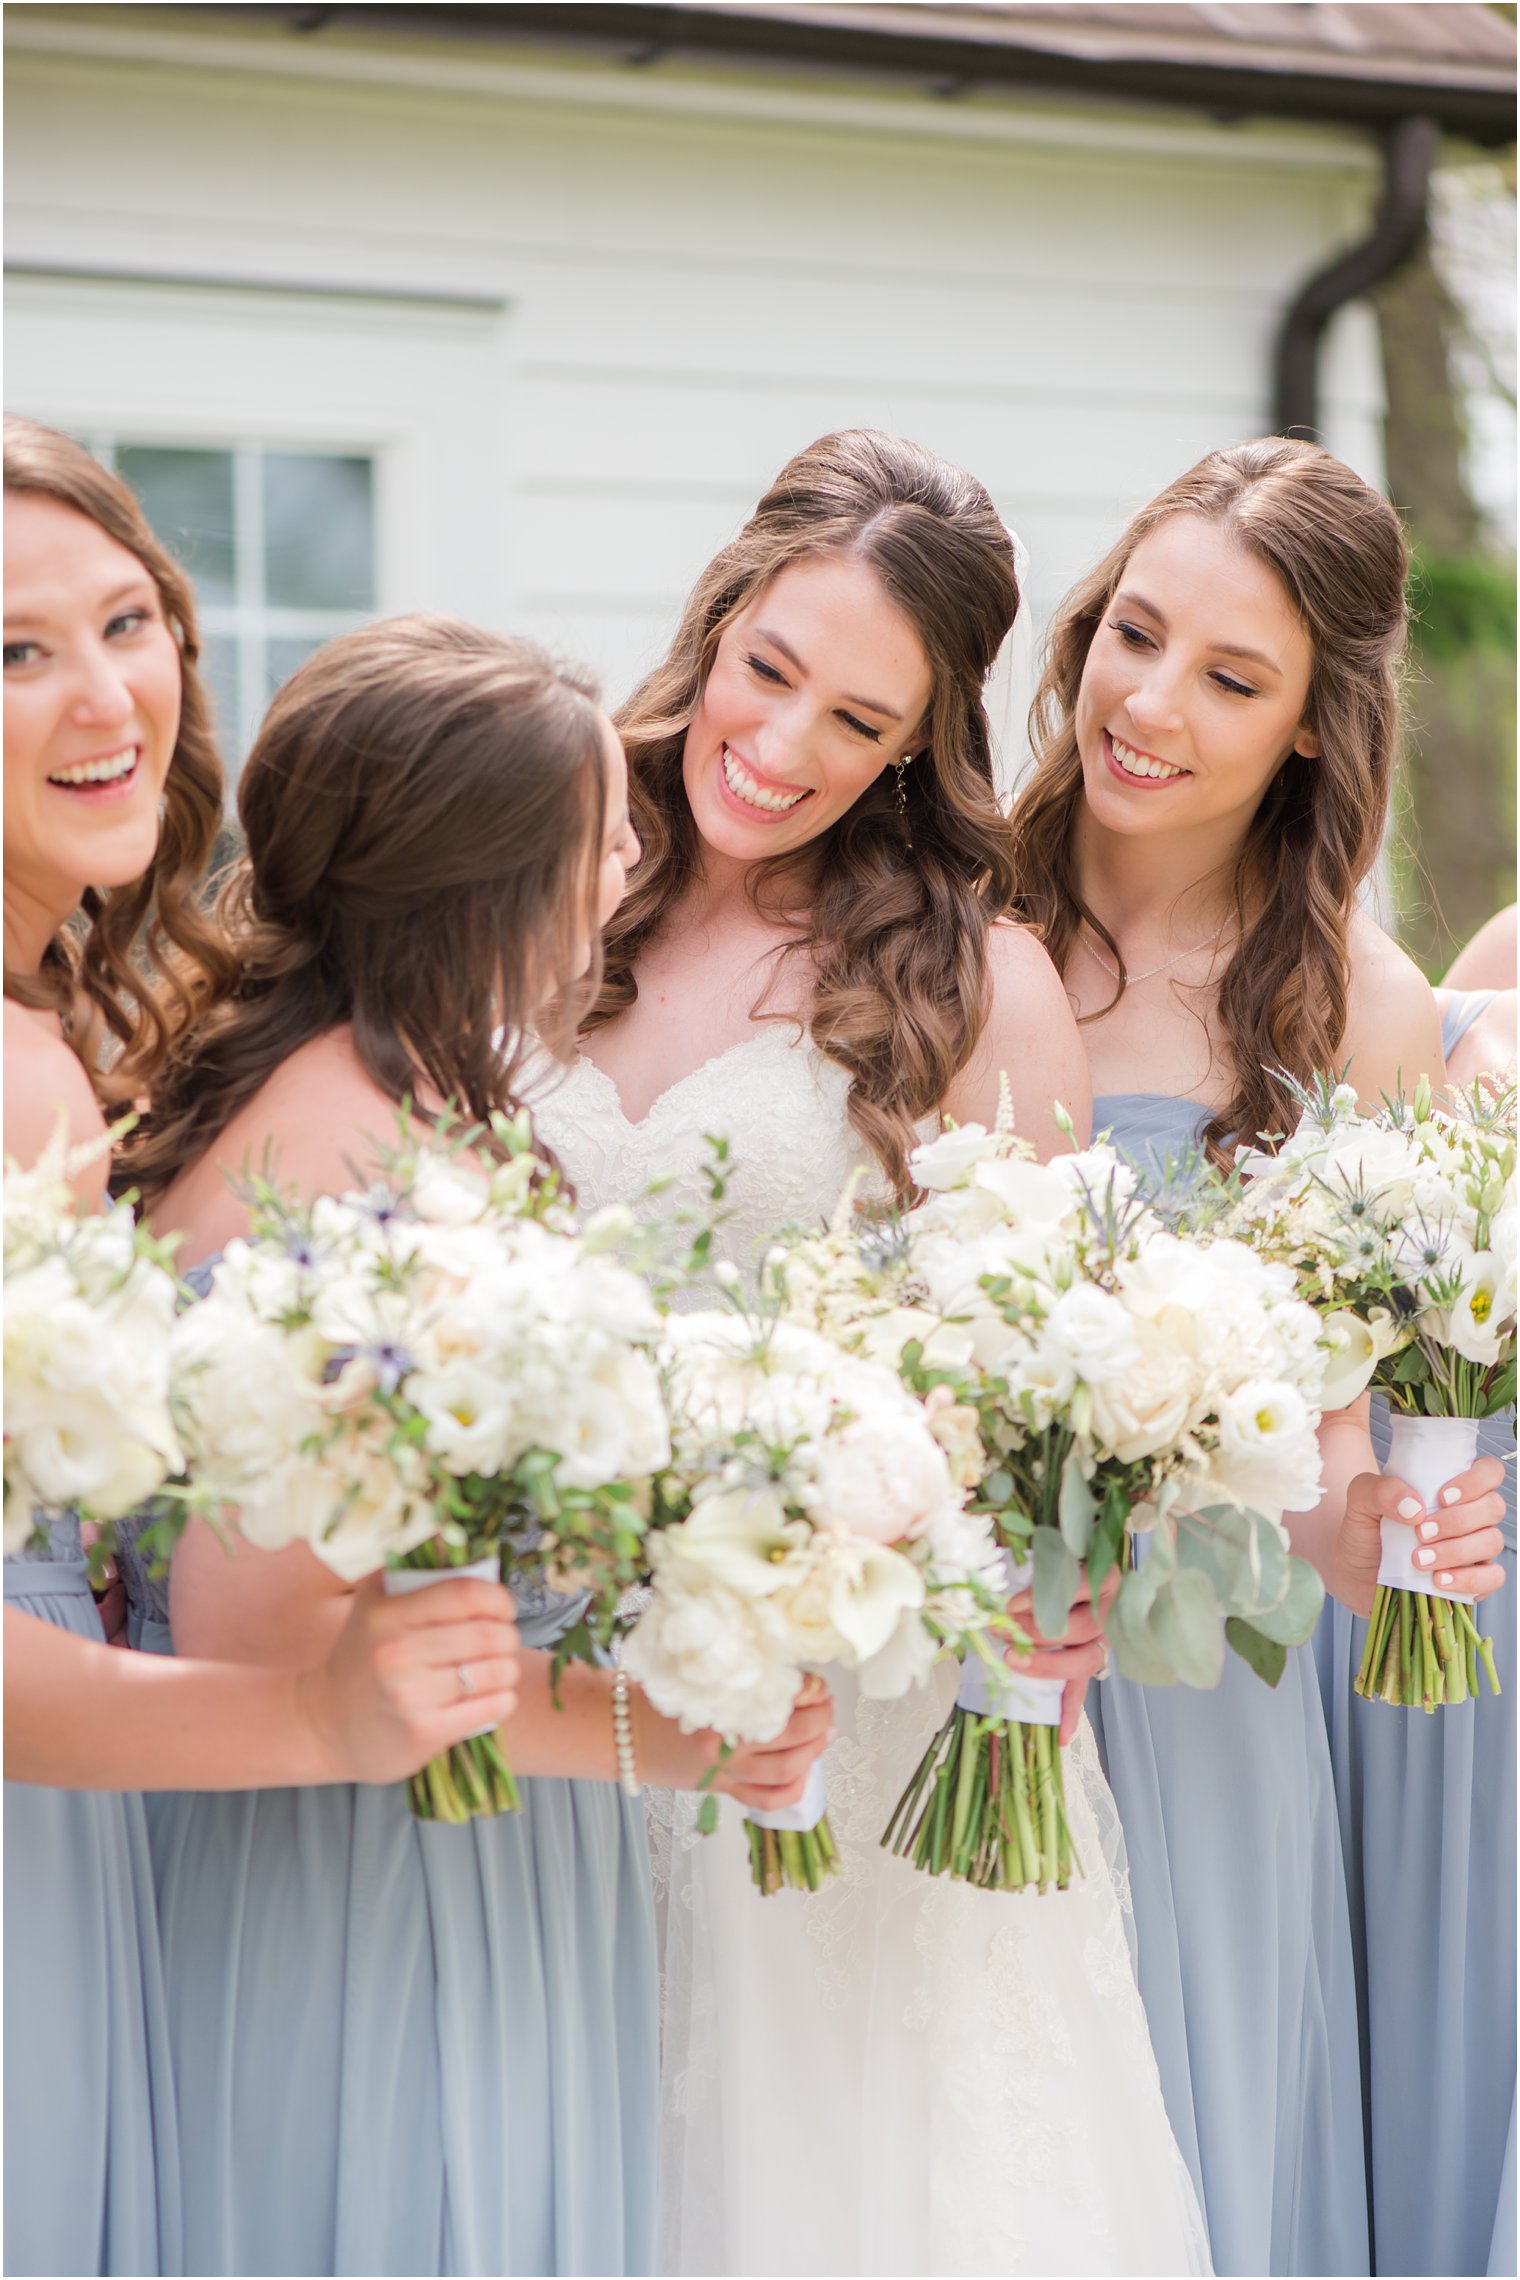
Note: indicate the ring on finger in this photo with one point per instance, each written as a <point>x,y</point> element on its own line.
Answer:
<point>466,1679</point>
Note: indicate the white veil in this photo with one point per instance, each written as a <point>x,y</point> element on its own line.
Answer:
<point>1010,690</point>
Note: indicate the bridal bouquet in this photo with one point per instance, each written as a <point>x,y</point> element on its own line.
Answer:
<point>89,1313</point>
<point>1098,1375</point>
<point>1401,1228</point>
<point>808,1517</point>
<point>428,1376</point>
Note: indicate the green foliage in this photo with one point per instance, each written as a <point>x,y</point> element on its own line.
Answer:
<point>1458,603</point>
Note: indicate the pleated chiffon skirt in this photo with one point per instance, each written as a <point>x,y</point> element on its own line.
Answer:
<point>412,2048</point>
<point>91,2146</point>
<point>1427,1806</point>
<point>1243,1922</point>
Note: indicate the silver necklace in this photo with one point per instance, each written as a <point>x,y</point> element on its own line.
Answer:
<point>1128,981</point>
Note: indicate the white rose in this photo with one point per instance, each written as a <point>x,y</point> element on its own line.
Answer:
<point>1094,1331</point>
<point>1147,1410</point>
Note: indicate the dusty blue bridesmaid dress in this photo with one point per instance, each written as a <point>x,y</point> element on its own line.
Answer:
<point>410,2048</point>
<point>1427,1809</point>
<point>91,2147</point>
<point>1245,1959</point>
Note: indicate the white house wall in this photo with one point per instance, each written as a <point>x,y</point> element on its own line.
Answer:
<point>581,337</point>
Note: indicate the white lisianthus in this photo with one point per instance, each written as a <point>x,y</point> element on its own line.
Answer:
<point>89,1377</point>
<point>1268,1452</point>
<point>948,1160</point>
<point>469,1414</point>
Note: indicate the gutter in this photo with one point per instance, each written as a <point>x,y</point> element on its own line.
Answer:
<point>1409,152</point>
<point>945,52</point>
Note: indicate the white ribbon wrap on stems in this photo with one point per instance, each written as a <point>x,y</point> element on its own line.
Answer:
<point>1005,1693</point>
<point>1427,1452</point>
<point>804,1815</point>
<point>1008,1694</point>
<point>401,1580</point>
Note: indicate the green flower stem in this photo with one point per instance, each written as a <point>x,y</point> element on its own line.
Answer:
<point>987,1805</point>
<point>468,1782</point>
<point>797,1860</point>
<point>1423,1651</point>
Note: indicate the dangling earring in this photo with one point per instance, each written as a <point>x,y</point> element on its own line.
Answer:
<point>901,766</point>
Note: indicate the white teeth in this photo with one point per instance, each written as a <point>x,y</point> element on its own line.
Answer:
<point>744,787</point>
<point>107,771</point>
<point>1141,763</point>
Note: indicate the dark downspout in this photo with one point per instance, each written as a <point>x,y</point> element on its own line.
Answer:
<point>1409,151</point>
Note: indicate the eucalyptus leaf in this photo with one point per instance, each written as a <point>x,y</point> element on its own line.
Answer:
<point>1267,1657</point>
<point>1292,1620</point>
<point>1215,1544</point>
<point>1057,1579</point>
<point>1185,1623</point>
<point>1135,1652</point>
<point>1077,1506</point>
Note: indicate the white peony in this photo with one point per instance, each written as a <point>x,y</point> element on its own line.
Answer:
<point>714,1657</point>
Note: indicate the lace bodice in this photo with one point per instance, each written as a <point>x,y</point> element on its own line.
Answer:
<point>782,1105</point>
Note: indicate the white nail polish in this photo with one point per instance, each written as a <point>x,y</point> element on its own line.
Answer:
<point>1410,1508</point>
<point>1451,1495</point>
<point>1427,1529</point>
<point>1444,1581</point>
<point>1424,1559</point>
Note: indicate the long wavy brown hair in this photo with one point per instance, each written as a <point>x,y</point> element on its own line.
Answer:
<point>423,809</point>
<point>136,962</point>
<point>891,912</point>
<point>1339,551</point>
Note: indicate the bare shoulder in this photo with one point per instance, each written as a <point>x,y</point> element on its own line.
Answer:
<point>1393,1025</point>
<point>1488,962</point>
<point>44,1078</point>
<point>1031,1036</point>
<point>313,1127</point>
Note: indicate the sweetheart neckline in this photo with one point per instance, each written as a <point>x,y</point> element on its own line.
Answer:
<point>765,1036</point>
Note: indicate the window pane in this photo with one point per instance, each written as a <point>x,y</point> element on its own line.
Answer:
<point>187,497</point>
<point>282,658</point>
<point>318,532</point>
<point>219,672</point>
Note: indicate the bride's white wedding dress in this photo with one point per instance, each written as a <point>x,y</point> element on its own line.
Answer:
<point>896,2074</point>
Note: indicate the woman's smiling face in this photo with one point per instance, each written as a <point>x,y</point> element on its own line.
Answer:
<point>1195,686</point>
<point>818,684</point>
<point>92,704</point>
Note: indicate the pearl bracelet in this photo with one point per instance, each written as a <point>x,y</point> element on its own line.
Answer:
<point>622,1736</point>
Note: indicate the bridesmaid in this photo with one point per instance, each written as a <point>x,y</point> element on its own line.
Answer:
<point>405,2047</point>
<point>1215,738</point>
<point>100,649</point>
<point>1427,1809</point>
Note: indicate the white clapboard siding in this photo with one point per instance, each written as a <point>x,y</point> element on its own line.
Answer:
<point>581,338</point>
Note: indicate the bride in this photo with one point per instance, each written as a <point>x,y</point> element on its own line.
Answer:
<point>896,2074</point>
